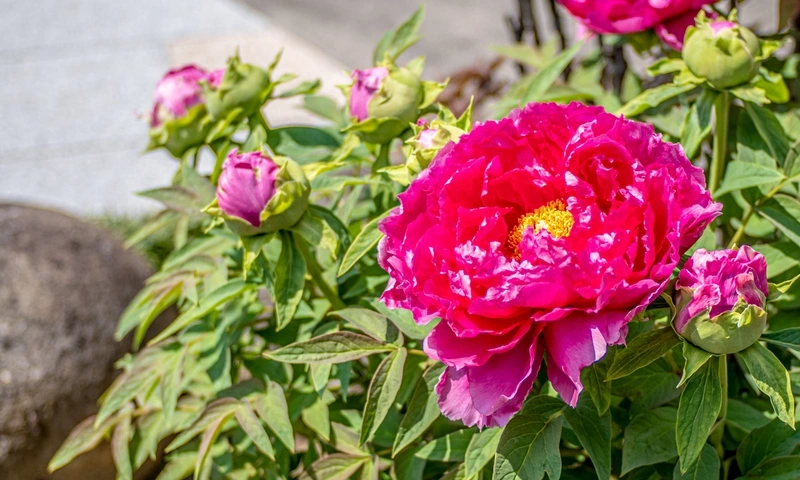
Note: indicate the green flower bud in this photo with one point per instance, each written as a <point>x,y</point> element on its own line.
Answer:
<point>728,332</point>
<point>242,90</point>
<point>722,52</point>
<point>180,134</point>
<point>427,141</point>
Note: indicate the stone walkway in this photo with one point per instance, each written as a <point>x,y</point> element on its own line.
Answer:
<point>75,75</point>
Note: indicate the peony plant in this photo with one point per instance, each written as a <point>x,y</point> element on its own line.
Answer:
<point>591,285</point>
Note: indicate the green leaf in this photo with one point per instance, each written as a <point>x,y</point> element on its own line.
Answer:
<point>336,466</point>
<point>529,445</point>
<point>124,389</point>
<point>175,197</point>
<point>594,433</point>
<point>593,378</point>
<point>170,384</point>
<point>363,243</point>
<point>770,129</point>
<point>699,406</point>
<point>480,451</point>
<point>784,212</point>
<point>290,281</point>
<point>653,97</point>
<point>642,351</point>
<point>120,448</point>
<point>334,347</point>
<point>381,394</point>
<point>325,108</point>
<point>650,439</point>
<point>450,448</point>
<point>781,256</point>
<point>371,323</point>
<point>697,124</point>
<point>220,409</point>
<point>272,408</point>
<point>201,471</point>
<point>252,427</point>
<point>404,320</point>
<point>395,42</point>
<point>791,166</point>
<point>225,293</point>
<point>161,220</point>
<point>317,417</point>
<point>423,409</point>
<point>774,439</point>
<point>83,438</point>
<point>706,468</point>
<point>308,87</point>
<point>771,378</point>
<point>180,466</point>
<point>544,78</point>
<point>778,468</point>
<point>789,337</point>
<point>695,358</point>
<point>741,175</point>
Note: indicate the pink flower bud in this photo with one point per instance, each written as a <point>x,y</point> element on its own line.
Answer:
<point>215,78</point>
<point>427,138</point>
<point>176,92</point>
<point>366,85</point>
<point>721,298</point>
<point>246,185</point>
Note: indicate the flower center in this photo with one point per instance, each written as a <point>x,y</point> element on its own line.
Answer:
<point>552,217</point>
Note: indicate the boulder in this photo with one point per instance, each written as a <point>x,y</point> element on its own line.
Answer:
<point>63,285</point>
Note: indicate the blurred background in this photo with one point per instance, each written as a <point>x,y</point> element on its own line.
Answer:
<point>76,77</point>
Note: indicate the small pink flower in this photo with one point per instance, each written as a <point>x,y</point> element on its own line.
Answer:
<point>214,78</point>
<point>426,138</point>
<point>246,185</point>
<point>176,92</point>
<point>367,83</point>
<point>669,18</point>
<point>540,235</point>
<point>717,280</point>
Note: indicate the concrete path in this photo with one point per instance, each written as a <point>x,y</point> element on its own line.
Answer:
<point>75,75</point>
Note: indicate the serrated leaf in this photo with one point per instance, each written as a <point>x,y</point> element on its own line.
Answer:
<point>365,241</point>
<point>742,175</point>
<point>789,337</point>
<point>770,129</point>
<point>423,409</point>
<point>642,351</point>
<point>771,378</point>
<point>653,97</point>
<point>784,212</point>
<point>449,448</point>
<point>334,347</point>
<point>774,439</point>
<point>480,451</point>
<point>650,439</point>
<point>706,468</point>
<point>529,445</point>
<point>371,323</point>
<point>594,433</point>
<point>699,406</point>
<point>272,408</point>
<point>336,466</point>
<point>83,438</point>
<point>381,394</point>
<point>695,358</point>
<point>252,427</point>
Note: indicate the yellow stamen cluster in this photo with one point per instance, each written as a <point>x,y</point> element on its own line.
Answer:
<point>552,217</point>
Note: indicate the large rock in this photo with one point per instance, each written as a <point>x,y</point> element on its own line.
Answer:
<point>63,285</point>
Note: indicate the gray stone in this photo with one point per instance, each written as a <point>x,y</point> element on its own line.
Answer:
<point>63,285</point>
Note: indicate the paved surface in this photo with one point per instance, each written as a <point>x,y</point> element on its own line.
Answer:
<point>75,75</point>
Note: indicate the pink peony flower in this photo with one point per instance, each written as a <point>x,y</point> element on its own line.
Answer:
<point>366,85</point>
<point>246,185</point>
<point>670,18</point>
<point>717,280</point>
<point>539,235</point>
<point>176,92</point>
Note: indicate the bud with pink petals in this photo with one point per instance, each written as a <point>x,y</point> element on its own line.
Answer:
<point>721,299</point>
<point>258,194</point>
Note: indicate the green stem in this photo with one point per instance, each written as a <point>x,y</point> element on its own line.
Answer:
<point>722,109</point>
<point>751,210</point>
<point>412,351</point>
<point>313,268</point>
<point>383,157</point>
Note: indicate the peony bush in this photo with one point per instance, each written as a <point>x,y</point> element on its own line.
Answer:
<point>593,284</point>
